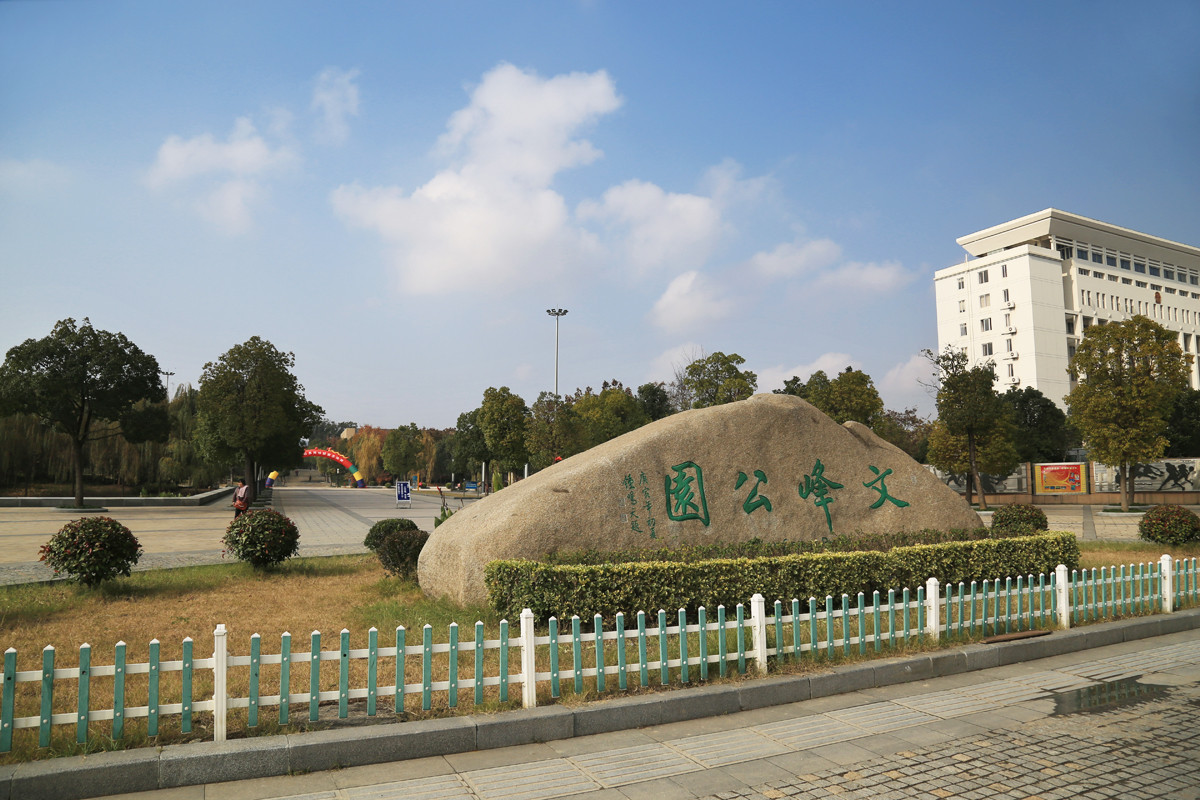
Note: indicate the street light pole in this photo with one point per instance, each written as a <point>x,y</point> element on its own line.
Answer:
<point>556,313</point>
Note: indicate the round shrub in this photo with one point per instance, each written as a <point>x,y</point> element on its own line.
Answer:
<point>262,538</point>
<point>398,551</point>
<point>1019,518</point>
<point>1169,525</point>
<point>385,526</point>
<point>92,550</point>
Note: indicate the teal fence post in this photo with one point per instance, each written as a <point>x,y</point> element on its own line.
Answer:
<point>598,632</point>
<point>85,674</point>
<point>861,615</point>
<point>47,696</point>
<point>905,599</point>
<point>722,645</point>
<point>554,680</point>
<point>622,675</point>
<point>643,655</point>
<point>892,619</point>
<point>372,670</point>
<point>779,650</point>
<point>6,699</point>
<point>427,667</point>
<point>504,661</point>
<point>453,665</point>
<point>741,638</point>
<point>118,724</point>
<point>314,676</point>
<point>813,648</point>
<point>576,654</point>
<point>285,676</point>
<point>478,662</point>
<point>876,621</point>
<point>152,692</point>
<point>185,678</point>
<point>828,626</point>
<point>398,704</point>
<point>845,612</point>
<point>702,643</point>
<point>664,675</point>
<point>920,612</point>
<point>683,647</point>
<point>796,647</point>
<point>252,703</point>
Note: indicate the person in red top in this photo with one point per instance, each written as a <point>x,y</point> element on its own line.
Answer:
<point>241,500</point>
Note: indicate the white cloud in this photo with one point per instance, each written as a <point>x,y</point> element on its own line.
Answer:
<point>771,378</point>
<point>663,228</point>
<point>492,219</point>
<point>335,98</point>
<point>32,176</point>
<point>870,276</point>
<point>243,154</point>
<point>690,301</point>
<point>663,367</point>
<point>791,259</point>
<point>221,179</point>
<point>228,205</point>
<point>901,387</point>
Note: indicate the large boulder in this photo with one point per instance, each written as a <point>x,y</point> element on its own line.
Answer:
<point>771,467</point>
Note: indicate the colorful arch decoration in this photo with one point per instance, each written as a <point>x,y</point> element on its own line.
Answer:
<point>359,481</point>
<point>272,478</point>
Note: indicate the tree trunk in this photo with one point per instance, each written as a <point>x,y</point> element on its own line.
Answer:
<point>248,474</point>
<point>1126,486</point>
<point>975,472</point>
<point>77,448</point>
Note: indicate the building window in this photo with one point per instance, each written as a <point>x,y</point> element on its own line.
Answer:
<point>1004,294</point>
<point>983,276</point>
<point>1097,256</point>
<point>1112,278</point>
<point>962,329</point>
<point>1083,273</point>
<point>961,283</point>
<point>985,324</point>
<point>1008,345</point>
<point>1070,326</point>
<point>1124,262</point>
<point>987,349</point>
<point>1010,370</point>
<point>1081,252</point>
<point>1139,266</point>
<point>1110,261</point>
<point>1127,281</point>
<point>962,306</point>
<point>985,300</point>
<point>1008,320</point>
<point>1169,274</point>
<point>1155,272</point>
<point>1004,270</point>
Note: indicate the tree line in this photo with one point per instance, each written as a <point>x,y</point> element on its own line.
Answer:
<point>87,399</point>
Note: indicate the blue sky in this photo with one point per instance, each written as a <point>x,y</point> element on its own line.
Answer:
<point>396,192</point>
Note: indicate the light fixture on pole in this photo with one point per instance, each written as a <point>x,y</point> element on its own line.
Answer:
<point>556,313</point>
<point>168,375</point>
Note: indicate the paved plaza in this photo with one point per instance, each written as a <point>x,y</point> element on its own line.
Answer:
<point>331,522</point>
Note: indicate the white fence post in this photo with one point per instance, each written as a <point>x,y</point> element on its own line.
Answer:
<point>1062,596</point>
<point>220,683</point>
<point>758,630</point>
<point>528,661</point>
<point>1166,566</point>
<point>933,609</point>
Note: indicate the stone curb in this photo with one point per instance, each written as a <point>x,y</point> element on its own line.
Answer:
<point>146,769</point>
<point>117,502</point>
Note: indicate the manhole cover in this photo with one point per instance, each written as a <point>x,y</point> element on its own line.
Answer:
<point>1105,696</point>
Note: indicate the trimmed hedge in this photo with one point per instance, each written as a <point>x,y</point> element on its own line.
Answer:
<point>92,550</point>
<point>380,530</point>
<point>262,538</point>
<point>399,550</point>
<point>1019,519</point>
<point>1170,525</point>
<point>565,590</point>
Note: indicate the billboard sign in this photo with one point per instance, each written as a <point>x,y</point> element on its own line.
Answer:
<point>1069,478</point>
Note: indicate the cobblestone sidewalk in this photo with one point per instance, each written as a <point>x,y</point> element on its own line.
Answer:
<point>1138,753</point>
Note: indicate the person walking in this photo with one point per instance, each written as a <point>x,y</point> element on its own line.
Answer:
<point>241,497</point>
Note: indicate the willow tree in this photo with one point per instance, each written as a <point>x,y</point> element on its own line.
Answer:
<point>78,379</point>
<point>251,408</point>
<point>1129,375</point>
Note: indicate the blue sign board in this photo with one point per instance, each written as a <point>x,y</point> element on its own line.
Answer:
<point>403,493</point>
<point>472,486</point>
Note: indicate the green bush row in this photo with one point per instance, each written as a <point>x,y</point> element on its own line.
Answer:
<point>757,548</point>
<point>565,590</point>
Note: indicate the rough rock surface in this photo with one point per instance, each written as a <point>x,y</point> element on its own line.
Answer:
<point>771,467</point>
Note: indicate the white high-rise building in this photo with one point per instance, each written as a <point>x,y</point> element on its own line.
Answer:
<point>1029,288</point>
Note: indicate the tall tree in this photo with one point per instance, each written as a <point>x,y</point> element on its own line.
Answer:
<point>366,448</point>
<point>967,405</point>
<point>470,448</point>
<point>503,417</point>
<point>554,430</point>
<point>716,379</point>
<point>994,454</point>
<point>252,409</point>
<point>607,415</point>
<point>1041,433</point>
<point>1183,428</point>
<point>79,376</point>
<point>655,400</point>
<point>906,429</point>
<point>1129,375</point>
<point>402,450</point>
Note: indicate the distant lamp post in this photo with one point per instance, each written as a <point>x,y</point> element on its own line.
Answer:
<point>556,313</point>
<point>168,376</point>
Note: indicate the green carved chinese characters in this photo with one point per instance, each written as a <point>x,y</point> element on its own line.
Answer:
<point>754,501</point>
<point>882,488</point>
<point>685,493</point>
<point>818,486</point>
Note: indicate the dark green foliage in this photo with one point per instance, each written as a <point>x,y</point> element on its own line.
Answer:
<point>399,550</point>
<point>1172,525</point>
<point>442,517</point>
<point>757,548</point>
<point>381,529</point>
<point>565,590</point>
<point>262,538</point>
<point>92,550</point>
<point>1019,518</point>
